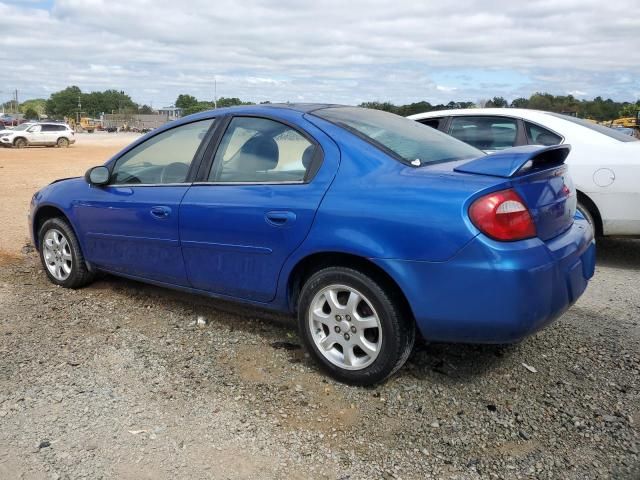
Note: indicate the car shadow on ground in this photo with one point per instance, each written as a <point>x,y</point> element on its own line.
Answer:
<point>435,362</point>
<point>618,253</point>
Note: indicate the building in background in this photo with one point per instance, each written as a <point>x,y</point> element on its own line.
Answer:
<point>171,112</point>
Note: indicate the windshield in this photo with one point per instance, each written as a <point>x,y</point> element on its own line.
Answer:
<point>404,139</point>
<point>609,132</point>
<point>23,126</point>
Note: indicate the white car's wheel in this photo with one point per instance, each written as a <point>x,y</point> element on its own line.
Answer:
<point>584,211</point>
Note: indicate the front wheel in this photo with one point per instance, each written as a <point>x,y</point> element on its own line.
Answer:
<point>20,143</point>
<point>352,327</point>
<point>61,256</point>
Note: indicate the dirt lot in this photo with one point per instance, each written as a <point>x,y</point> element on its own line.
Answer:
<point>24,171</point>
<point>117,380</point>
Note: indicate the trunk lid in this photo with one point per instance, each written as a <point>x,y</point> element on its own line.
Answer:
<point>539,176</point>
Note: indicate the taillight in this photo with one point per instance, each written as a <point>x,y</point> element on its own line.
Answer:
<point>502,216</point>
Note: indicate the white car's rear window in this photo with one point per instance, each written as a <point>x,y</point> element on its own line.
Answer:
<point>609,132</point>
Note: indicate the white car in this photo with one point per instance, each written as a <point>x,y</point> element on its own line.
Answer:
<point>604,163</point>
<point>41,133</point>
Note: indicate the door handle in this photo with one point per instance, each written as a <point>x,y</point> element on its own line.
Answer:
<point>160,212</point>
<point>280,218</point>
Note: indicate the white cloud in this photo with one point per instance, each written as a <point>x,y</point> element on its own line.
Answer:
<point>328,50</point>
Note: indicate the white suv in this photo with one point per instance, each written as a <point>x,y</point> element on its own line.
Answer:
<point>42,133</point>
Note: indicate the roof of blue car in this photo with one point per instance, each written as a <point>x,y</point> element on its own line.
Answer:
<point>298,107</point>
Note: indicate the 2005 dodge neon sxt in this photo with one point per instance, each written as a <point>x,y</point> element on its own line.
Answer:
<point>366,224</point>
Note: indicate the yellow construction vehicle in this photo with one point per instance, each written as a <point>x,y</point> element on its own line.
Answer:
<point>625,122</point>
<point>88,124</point>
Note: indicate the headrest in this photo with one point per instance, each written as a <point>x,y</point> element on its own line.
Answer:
<point>260,153</point>
<point>307,156</point>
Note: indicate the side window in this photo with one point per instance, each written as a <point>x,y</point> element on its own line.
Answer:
<point>485,133</point>
<point>432,122</point>
<point>49,128</point>
<point>261,150</point>
<point>164,158</point>
<point>541,136</point>
<point>35,129</point>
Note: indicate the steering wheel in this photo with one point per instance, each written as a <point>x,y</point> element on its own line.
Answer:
<point>174,173</point>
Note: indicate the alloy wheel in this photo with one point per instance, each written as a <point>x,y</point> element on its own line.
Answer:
<point>345,327</point>
<point>57,254</point>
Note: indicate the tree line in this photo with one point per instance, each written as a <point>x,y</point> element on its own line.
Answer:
<point>597,109</point>
<point>67,103</point>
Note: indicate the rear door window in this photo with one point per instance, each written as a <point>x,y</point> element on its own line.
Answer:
<point>485,133</point>
<point>260,150</point>
<point>536,135</point>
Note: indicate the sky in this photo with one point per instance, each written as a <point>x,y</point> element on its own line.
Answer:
<point>339,51</point>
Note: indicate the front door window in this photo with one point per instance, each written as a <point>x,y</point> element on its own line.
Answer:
<point>164,158</point>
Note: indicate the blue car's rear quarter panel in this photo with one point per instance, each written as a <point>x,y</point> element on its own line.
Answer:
<point>497,292</point>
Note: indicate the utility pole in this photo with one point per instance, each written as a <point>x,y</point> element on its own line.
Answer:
<point>78,114</point>
<point>215,92</point>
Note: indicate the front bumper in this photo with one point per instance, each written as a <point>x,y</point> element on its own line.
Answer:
<point>497,292</point>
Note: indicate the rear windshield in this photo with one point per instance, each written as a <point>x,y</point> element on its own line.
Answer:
<point>404,139</point>
<point>609,132</point>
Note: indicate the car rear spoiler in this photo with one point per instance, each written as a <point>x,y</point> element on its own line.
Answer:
<point>517,161</point>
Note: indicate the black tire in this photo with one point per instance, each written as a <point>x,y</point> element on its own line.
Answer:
<point>396,325</point>
<point>20,142</point>
<point>80,275</point>
<point>587,214</point>
<point>62,142</point>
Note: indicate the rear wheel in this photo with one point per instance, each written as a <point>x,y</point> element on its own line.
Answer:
<point>61,256</point>
<point>352,327</point>
<point>62,142</point>
<point>20,143</point>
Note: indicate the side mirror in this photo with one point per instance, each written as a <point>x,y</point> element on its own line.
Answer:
<point>97,175</point>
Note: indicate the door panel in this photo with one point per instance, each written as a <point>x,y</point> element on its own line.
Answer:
<point>236,237</point>
<point>123,231</point>
<point>131,226</point>
<point>35,135</point>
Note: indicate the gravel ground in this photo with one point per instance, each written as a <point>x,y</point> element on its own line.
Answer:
<point>119,380</point>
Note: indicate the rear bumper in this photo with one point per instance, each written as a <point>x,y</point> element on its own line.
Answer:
<point>496,292</point>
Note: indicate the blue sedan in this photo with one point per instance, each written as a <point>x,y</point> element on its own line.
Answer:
<point>368,225</point>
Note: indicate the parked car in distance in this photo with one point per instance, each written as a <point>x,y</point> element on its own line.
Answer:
<point>38,134</point>
<point>604,163</point>
<point>365,223</point>
<point>8,121</point>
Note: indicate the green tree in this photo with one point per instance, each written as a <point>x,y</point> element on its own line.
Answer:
<point>413,108</point>
<point>497,102</point>
<point>520,103</point>
<point>145,110</point>
<point>198,107</point>
<point>39,105</point>
<point>386,106</point>
<point>31,114</point>
<point>64,103</point>
<point>186,102</point>
<point>630,110</point>
<point>541,101</point>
